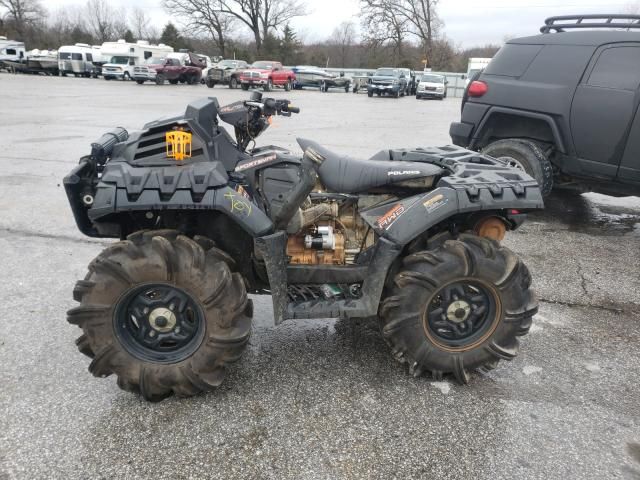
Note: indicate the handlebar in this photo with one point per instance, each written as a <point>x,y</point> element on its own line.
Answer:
<point>271,106</point>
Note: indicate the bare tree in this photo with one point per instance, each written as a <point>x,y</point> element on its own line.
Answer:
<point>141,25</point>
<point>204,17</point>
<point>422,21</point>
<point>23,14</point>
<point>261,16</point>
<point>343,39</point>
<point>384,24</point>
<point>397,20</point>
<point>105,22</point>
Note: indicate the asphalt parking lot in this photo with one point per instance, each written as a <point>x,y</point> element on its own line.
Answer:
<point>316,399</point>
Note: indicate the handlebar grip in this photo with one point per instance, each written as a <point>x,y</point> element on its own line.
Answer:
<point>293,109</point>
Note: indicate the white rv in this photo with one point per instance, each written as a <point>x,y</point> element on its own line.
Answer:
<point>76,59</point>
<point>475,65</point>
<point>11,51</point>
<point>121,57</point>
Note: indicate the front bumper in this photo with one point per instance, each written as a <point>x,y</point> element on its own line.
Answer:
<point>150,75</point>
<point>112,74</point>
<point>429,94</point>
<point>383,88</point>
<point>253,81</point>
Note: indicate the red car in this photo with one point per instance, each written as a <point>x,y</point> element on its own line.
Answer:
<point>267,74</point>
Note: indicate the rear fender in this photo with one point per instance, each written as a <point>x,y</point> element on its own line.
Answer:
<point>404,220</point>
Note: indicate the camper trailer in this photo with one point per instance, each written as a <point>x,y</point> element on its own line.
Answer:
<point>76,60</point>
<point>121,57</point>
<point>11,52</point>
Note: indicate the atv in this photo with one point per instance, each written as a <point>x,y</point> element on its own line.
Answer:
<point>409,235</point>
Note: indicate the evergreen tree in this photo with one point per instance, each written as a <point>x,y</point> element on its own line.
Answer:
<point>289,47</point>
<point>171,36</point>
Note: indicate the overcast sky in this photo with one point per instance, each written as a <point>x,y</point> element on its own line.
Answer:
<point>467,22</point>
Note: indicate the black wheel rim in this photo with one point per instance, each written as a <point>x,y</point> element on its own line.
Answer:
<point>159,323</point>
<point>462,314</point>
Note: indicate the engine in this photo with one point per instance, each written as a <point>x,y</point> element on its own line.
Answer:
<point>328,231</point>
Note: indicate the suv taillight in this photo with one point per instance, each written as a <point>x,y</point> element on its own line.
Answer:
<point>477,88</point>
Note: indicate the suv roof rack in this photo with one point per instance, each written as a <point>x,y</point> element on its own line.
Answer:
<point>561,23</point>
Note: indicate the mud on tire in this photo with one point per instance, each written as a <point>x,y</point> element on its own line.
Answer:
<point>415,313</point>
<point>166,258</point>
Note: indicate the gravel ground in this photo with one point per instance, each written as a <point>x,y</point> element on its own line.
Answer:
<point>317,399</point>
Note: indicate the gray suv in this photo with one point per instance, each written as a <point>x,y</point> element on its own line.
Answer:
<point>562,105</point>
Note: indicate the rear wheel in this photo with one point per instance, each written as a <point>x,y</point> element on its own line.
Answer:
<point>126,76</point>
<point>163,312</point>
<point>245,86</point>
<point>458,308</point>
<point>210,83</point>
<point>139,82</point>
<point>370,93</point>
<point>287,85</point>
<point>527,156</point>
<point>174,81</point>
<point>268,86</point>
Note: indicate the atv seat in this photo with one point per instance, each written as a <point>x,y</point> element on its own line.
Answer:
<point>341,174</point>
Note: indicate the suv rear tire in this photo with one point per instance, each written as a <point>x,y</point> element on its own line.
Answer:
<point>526,155</point>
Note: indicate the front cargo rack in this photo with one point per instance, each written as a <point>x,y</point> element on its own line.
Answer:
<point>566,22</point>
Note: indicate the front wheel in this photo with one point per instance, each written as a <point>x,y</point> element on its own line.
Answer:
<point>458,308</point>
<point>527,156</point>
<point>139,82</point>
<point>233,83</point>
<point>160,79</point>
<point>245,86</point>
<point>126,76</point>
<point>163,312</point>
<point>287,85</point>
<point>210,83</point>
<point>268,86</point>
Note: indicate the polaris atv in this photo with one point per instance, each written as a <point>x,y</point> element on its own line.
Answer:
<point>409,235</point>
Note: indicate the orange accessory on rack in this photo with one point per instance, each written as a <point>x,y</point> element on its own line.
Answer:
<point>178,144</point>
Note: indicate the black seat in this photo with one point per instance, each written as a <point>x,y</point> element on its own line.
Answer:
<point>342,174</point>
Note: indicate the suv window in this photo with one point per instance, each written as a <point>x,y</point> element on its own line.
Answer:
<point>512,60</point>
<point>76,56</point>
<point>617,67</point>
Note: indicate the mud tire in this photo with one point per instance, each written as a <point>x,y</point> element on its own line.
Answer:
<point>416,284</point>
<point>194,265</point>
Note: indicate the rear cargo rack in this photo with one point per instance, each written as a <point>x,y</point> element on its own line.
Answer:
<point>566,22</point>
